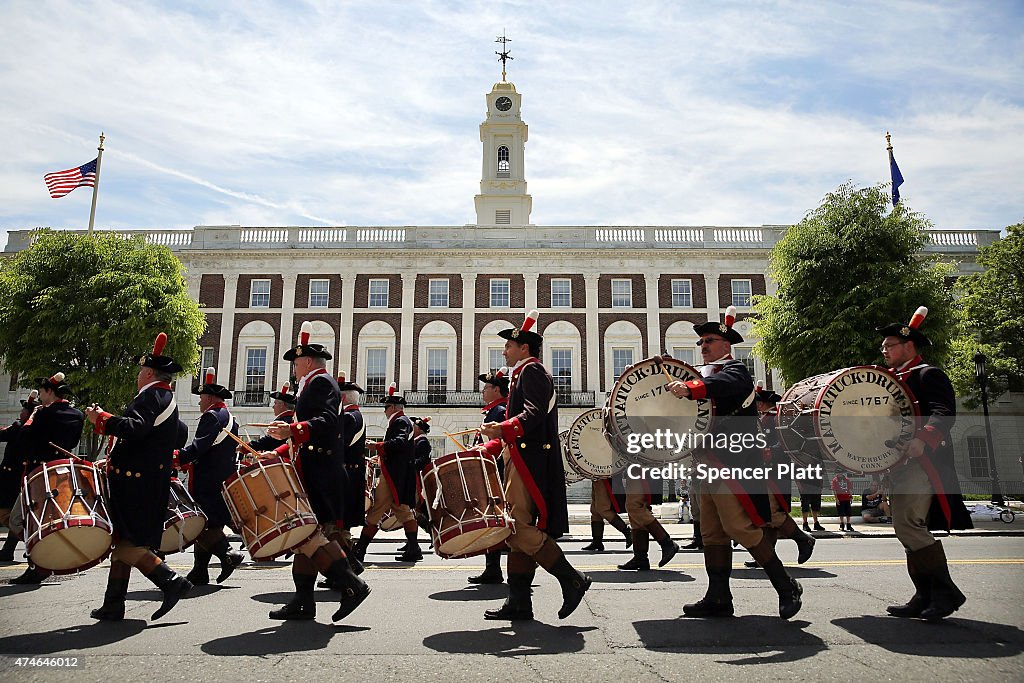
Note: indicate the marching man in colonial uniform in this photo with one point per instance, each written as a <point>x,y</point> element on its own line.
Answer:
<point>284,411</point>
<point>139,483</point>
<point>495,396</point>
<point>926,490</point>
<point>320,462</point>
<point>396,490</point>
<point>534,478</point>
<point>731,509</point>
<point>53,420</point>
<point>210,459</point>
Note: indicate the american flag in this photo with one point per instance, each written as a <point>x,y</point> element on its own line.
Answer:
<point>60,183</point>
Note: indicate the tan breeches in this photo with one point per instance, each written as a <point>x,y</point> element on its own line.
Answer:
<point>723,519</point>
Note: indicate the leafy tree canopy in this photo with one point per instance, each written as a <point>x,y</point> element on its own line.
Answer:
<point>90,306</point>
<point>849,266</point>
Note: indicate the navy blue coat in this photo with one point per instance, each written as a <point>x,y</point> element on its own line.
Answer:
<point>58,422</point>
<point>212,463</point>
<point>321,450</point>
<point>139,477</point>
<point>354,432</point>
<point>13,467</point>
<point>397,458</point>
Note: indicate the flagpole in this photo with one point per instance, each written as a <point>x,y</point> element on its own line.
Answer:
<point>96,186</point>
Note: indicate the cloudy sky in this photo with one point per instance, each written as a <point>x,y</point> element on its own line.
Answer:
<point>367,113</point>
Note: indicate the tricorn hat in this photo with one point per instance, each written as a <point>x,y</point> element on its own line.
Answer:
<point>910,330</point>
<point>304,348</point>
<point>54,383</point>
<point>394,398</point>
<point>498,378</point>
<point>723,329</point>
<point>423,423</point>
<point>345,385</point>
<point>283,395</point>
<point>32,401</point>
<point>765,395</point>
<point>210,386</point>
<point>524,334</point>
<point>157,361</point>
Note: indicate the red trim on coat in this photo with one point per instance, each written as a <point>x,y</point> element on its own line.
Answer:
<point>746,502</point>
<point>511,430</point>
<point>531,485</point>
<point>495,402</point>
<point>932,437</point>
<point>300,432</point>
<point>101,423</point>
<point>697,389</point>
<point>607,483</point>
<point>940,490</point>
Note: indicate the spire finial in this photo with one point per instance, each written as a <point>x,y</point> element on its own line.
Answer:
<point>503,55</point>
<point>888,141</point>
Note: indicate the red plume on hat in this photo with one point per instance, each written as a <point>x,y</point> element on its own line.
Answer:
<point>426,419</point>
<point>501,372</point>
<point>285,388</point>
<point>531,320</point>
<point>392,388</point>
<point>341,378</point>
<point>57,378</point>
<point>33,395</point>
<point>211,376</point>
<point>159,343</point>
<point>730,316</point>
<point>919,315</point>
<point>304,332</point>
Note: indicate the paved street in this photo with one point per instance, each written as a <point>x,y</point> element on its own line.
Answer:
<point>424,623</point>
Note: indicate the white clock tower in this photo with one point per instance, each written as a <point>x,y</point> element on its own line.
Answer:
<point>503,199</point>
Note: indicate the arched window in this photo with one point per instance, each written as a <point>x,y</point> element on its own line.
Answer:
<point>376,354</point>
<point>504,167</point>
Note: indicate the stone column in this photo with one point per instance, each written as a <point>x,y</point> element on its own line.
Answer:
<point>405,371</point>
<point>653,317</point>
<point>469,340</point>
<point>227,332</point>
<point>346,341</point>
<point>593,382</point>
<point>285,340</point>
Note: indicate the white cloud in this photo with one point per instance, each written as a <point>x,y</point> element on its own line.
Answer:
<point>646,112</point>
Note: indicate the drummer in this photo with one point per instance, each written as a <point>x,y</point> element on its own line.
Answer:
<point>319,443</point>
<point>534,478</point>
<point>354,430</point>
<point>732,510</point>
<point>55,421</point>
<point>210,460</point>
<point>495,396</point>
<point>396,489</point>
<point>139,482</point>
<point>411,552</point>
<point>781,488</point>
<point>284,411</point>
<point>926,490</point>
<point>11,474</point>
<point>643,525</point>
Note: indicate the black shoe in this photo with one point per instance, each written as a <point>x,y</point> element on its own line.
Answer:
<point>328,584</point>
<point>113,601</point>
<point>911,610</point>
<point>30,577</point>
<point>751,564</point>
<point>174,588</point>
<point>573,590</point>
<point>818,527</point>
<point>519,605</point>
<point>228,564</point>
<point>669,548</point>
<point>805,548</point>
<point>199,576</point>
<point>807,527</point>
<point>413,554</point>
<point>352,597</point>
<point>296,610</point>
<point>488,576</point>
<point>594,547</point>
<point>693,545</point>
<point>356,564</point>
<point>849,528</point>
<point>6,556</point>
<point>790,601</point>
<point>706,607</point>
<point>640,564</point>
<point>508,613</point>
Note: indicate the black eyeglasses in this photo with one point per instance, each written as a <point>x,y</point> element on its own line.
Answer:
<point>886,347</point>
<point>702,342</point>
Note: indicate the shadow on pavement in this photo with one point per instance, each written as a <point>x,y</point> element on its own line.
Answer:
<point>16,589</point>
<point>985,639</point>
<point>796,571</point>
<point>665,575</point>
<point>322,595</point>
<point>282,638</point>
<point>485,591</point>
<point>726,635</point>
<point>514,640</point>
<point>72,638</point>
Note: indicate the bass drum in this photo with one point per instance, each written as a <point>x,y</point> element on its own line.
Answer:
<point>589,453</point>
<point>571,477</point>
<point>856,418</point>
<point>639,404</point>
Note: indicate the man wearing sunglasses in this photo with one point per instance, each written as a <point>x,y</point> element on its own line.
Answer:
<point>732,509</point>
<point>926,490</point>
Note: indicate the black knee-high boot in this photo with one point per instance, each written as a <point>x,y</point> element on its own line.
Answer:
<point>302,606</point>
<point>492,569</point>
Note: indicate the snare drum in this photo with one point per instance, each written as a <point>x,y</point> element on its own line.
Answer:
<point>571,477</point>
<point>389,522</point>
<point>848,417</point>
<point>184,520</point>
<point>465,503</point>
<point>269,505</point>
<point>590,455</point>
<point>640,404</point>
<point>67,527</point>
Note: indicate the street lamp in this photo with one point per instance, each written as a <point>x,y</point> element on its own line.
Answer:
<point>979,374</point>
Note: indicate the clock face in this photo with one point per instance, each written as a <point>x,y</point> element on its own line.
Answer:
<point>503,103</point>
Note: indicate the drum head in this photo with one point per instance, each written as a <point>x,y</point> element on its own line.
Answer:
<point>589,453</point>
<point>475,542</point>
<point>639,404</point>
<point>182,532</point>
<point>571,476</point>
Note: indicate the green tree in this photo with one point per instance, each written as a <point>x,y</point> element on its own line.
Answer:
<point>90,306</point>
<point>992,308</point>
<point>849,266</point>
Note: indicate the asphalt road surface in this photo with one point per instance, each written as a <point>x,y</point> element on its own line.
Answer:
<point>424,622</point>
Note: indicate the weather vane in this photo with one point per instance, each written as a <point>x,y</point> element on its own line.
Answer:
<point>503,56</point>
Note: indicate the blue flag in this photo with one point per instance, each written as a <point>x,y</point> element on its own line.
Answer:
<point>897,178</point>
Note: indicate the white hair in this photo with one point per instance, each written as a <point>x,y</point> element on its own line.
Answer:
<point>350,396</point>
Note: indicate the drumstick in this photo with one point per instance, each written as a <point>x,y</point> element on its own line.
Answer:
<point>464,431</point>
<point>259,424</point>
<point>668,375</point>
<point>457,442</point>
<point>67,453</point>
<point>241,443</point>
